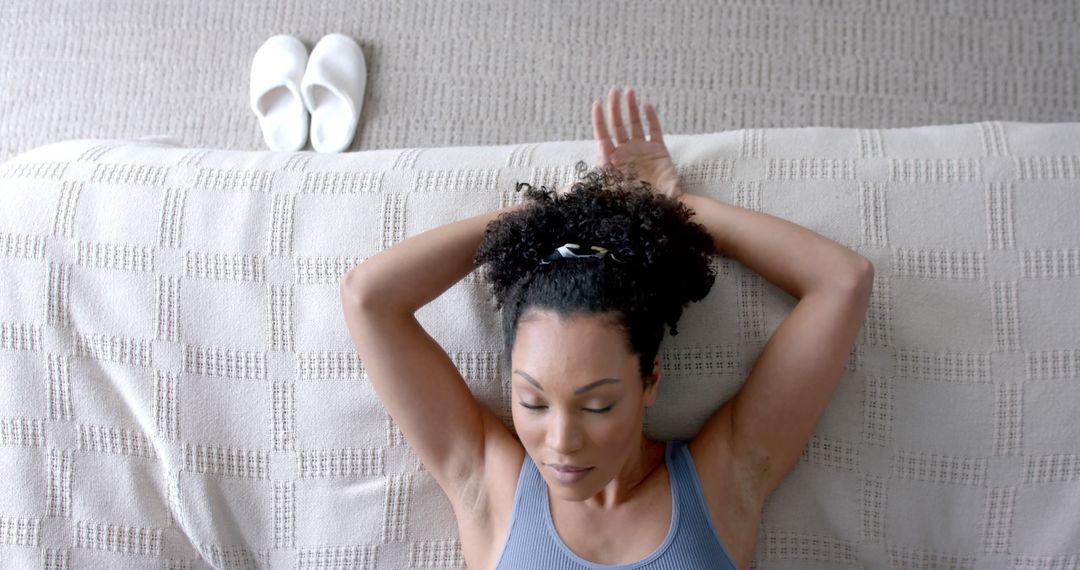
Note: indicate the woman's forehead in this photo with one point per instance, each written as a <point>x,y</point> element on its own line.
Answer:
<point>577,349</point>
<point>551,322</point>
<point>554,341</point>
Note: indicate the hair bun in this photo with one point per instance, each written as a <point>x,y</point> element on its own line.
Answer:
<point>666,256</point>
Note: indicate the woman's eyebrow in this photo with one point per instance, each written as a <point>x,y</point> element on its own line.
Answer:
<point>580,390</point>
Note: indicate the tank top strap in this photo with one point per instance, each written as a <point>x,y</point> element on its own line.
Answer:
<point>532,542</point>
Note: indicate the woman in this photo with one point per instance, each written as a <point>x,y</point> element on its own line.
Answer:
<point>586,279</point>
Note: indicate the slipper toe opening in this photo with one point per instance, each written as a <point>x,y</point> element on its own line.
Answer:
<point>333,124</point>
<point>282,118</point>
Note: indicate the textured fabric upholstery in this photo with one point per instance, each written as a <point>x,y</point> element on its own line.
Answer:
<point>178,387</point>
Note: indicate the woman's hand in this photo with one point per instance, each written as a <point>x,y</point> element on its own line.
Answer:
<point>649,159</point>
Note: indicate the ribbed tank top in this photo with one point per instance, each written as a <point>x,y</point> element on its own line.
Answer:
<point>692,541</point>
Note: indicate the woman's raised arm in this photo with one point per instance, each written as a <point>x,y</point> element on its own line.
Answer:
<point>415,271</point>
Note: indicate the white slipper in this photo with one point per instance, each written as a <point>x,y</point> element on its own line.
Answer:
<point>276,72</point>
<point>333,90</point>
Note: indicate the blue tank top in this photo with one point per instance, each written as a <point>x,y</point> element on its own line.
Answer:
<point>692,541</point>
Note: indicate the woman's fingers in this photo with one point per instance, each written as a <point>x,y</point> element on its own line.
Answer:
<point>601,133</point>
<point>636,130</point>
<point>655,134</point>
<point>616,116</point>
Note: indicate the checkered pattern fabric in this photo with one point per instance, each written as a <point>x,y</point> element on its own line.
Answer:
<point>178,387</point>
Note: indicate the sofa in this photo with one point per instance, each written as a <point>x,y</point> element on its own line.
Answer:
<point>178,388</point>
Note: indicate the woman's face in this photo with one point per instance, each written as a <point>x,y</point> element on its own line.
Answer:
<point>590,405</point>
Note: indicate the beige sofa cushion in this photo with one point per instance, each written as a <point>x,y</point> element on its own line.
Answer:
<point>177,383</point>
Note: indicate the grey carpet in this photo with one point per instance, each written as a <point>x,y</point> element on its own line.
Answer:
<point>477,73</point>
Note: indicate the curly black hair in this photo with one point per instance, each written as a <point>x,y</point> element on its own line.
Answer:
<point>666,258</point>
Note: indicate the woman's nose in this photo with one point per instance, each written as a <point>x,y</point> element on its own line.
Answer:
<point>564,435</point>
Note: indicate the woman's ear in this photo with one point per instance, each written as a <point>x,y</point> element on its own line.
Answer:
<point>654,381</point>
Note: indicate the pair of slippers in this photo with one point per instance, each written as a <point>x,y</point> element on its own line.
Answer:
<point>287,84</point>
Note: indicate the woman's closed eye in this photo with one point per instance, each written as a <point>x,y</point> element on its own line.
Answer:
<point>600,411</point>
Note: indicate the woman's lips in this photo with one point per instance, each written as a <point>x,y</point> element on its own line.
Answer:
<point>569,470</point>
<point>570,477</point>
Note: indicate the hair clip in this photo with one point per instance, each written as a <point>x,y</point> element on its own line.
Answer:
<point>566,251</point>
